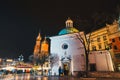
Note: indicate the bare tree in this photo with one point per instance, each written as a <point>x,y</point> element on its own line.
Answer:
<point>85,40</point>
<point>54,60</point>
<point>85,44</point>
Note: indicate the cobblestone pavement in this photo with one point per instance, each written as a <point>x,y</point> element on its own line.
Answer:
<point>107,79</point>
<point>74,78</point>
<point>32,77</point>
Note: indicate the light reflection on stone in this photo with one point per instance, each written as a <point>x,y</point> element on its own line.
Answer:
<point>28,77</point>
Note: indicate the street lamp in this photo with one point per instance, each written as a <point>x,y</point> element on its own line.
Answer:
<point>20,58</point>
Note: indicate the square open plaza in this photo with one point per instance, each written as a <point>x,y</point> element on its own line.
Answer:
<point>72,52</point>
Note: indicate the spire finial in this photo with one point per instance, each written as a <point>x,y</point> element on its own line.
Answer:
<point>39,36</point>
<point>45,40</point>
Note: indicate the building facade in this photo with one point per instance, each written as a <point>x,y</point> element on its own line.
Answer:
<point>69,51</point>
<point>100,61</point>
<point>99,39</point>
<point>41,47</point>
<point>41,52</point>
<point>107,38</point>
<point>114,36</point>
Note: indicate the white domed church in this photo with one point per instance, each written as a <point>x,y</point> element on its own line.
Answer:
<point>68,50</point>
<point>69,53</point>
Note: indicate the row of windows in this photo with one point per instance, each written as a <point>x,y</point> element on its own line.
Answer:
<point>100,46</point>
<point>106,47</point>
<point>113,40</point>
<point>104,38</point>
<point>94,47</point>
<point>99,39</point>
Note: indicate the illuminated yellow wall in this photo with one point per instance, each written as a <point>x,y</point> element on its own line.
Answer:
<point>111,31</point>
<point>107,31</point>
<point>94,39</point>
<point>44,47</point>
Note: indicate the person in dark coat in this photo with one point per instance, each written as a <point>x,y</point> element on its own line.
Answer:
<point>60,70</point>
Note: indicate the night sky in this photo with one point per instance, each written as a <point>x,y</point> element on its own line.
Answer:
<point>21,20</point>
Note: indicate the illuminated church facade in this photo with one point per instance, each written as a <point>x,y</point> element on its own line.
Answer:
<point>69,52</point>
<point>41,48</point>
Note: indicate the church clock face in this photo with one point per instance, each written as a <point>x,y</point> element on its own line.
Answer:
<point>65,46</point>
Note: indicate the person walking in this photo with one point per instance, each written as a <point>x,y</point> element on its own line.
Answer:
<point>60,70</point>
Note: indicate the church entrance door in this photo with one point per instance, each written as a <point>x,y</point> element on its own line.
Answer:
<point>66,68</point>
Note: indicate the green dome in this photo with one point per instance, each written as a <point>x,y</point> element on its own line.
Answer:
<point>68,31</point>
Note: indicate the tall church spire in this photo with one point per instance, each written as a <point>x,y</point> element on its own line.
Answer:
<point>69,23</point>
<point>39,37</point>
<point>37,46</point>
